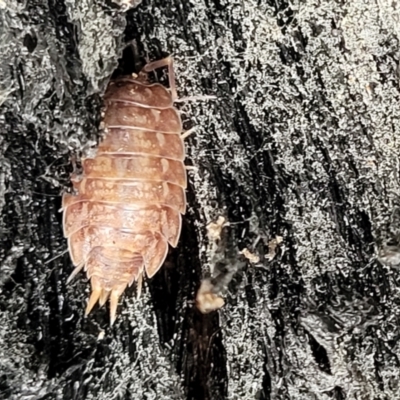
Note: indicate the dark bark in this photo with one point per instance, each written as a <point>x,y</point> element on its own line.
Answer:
<point>302,143</point>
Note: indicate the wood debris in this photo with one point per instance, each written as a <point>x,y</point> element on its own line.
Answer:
<point>206,299</point>
<point>272,246</point>
<point>214,229</point>
<point>253,258</point>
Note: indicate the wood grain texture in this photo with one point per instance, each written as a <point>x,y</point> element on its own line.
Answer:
<point>302,143</point>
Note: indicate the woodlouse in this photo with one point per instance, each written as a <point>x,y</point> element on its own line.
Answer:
<point>131,194</point>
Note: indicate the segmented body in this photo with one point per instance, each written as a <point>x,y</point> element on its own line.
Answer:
<point>131,195</point>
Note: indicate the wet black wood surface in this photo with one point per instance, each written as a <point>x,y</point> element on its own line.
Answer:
<point>301,144</point>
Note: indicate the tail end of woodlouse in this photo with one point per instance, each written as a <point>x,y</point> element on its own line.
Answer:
<point>113,306</point>
<point>94,297</point>
<point>101,295</point>
<point>139,285</point>
<point>105,294</point>
<point>115,294</point>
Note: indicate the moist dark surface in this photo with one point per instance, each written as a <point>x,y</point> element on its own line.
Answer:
<point>301,143</point>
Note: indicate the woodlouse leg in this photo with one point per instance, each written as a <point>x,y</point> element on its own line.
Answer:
<point>75,272</point>
<point>169,63</point>
<point>196,98</point>
<point>188,133</point>
<point>55,257</point>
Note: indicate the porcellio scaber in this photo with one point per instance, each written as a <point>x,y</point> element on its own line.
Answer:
<point>131,195</point>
